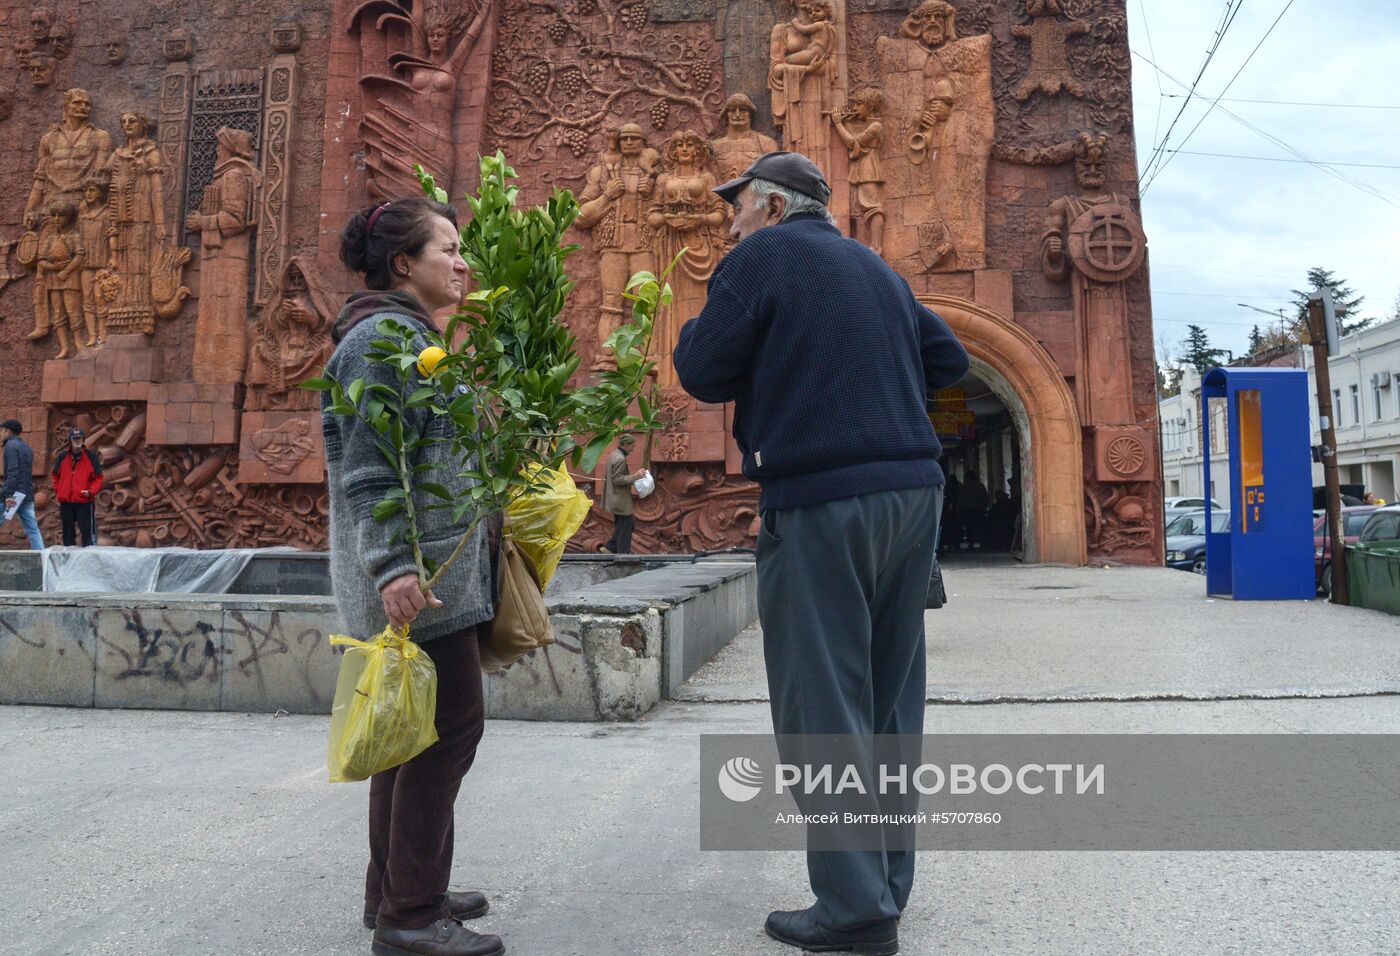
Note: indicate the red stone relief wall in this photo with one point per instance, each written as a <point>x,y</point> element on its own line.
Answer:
<point>984,146</point>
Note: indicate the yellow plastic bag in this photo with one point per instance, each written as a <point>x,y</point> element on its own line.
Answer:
<point>385,705</point>
<point>543,521</point>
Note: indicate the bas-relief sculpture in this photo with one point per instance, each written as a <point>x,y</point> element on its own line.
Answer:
<point>290,341</point>
<point>1049,35</point>
<point>940,89</point>
<point>408,116</point>
<point>50,39</point>
<point>805,81</point>
<point>614,206</point>
<point>685,214</point>
<point>60,259</point>
<point>1095,241</point>
<point>145,268</point>
<point>741,144</point>
<point>225,223</point>
<point>859,127</point>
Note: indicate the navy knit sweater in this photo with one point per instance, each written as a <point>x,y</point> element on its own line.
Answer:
<point>829,360</point>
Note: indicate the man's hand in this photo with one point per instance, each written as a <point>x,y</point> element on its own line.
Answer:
<point>404,599</point>
<point>85,493</point>
<point>614,189</point>
<point>9,503</point>
<point>1054,245</point>
<point>639,475</point>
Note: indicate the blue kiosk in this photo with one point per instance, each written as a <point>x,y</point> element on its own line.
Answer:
<point>1267,555</point>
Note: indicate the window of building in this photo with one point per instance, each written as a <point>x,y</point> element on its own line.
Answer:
<point>1355,404</point>
<point>1376,394</point>
<point>1337,407</point>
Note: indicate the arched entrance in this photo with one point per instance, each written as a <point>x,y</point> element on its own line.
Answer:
<point>1028,382</point>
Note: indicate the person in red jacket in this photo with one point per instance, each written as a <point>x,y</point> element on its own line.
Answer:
<point>77,478</point>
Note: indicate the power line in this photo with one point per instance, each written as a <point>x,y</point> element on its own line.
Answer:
<point>1335,173</point>
<point>1232,8</point>
<point>1280,159</point>
<point>1340,106</point>
<point>1216,102</point>
<point>1161,93</point>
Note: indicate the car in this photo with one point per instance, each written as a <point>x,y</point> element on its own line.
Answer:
<point>1186,539</point>
<point>1353,522</point>
<point>1178,506</point>
<point>1383,525</point>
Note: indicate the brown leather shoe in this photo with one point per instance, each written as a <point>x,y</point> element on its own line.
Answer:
<point>446,937</point>
<point>461,906</point>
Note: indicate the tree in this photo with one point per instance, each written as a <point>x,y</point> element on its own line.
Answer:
<point>1344,300</point>
<point>1196,351</point>
<point>1168,367</point>
<point>1256,341</point>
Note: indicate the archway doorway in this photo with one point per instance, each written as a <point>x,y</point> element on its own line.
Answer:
<point>983,428</point>
<point>1021,374</point>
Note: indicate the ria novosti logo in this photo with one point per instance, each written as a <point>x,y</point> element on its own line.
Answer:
<point>740,779</point>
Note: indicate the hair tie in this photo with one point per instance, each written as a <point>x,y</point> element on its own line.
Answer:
<point>369,225</point>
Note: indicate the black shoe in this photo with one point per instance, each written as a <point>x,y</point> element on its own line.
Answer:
<point>446,937</point>
<point>799,928</point>
<point>462,906</point>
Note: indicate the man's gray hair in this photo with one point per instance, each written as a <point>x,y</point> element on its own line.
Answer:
<point>797,203</point>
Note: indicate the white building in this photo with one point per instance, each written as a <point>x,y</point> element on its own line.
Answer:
<point>1365,383</point>
<point>1365,380</point>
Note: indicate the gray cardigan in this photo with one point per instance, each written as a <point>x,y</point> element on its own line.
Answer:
<point>363,558</point>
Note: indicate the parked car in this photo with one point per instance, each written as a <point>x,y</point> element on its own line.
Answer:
<point>1176,507</point>
<point>1383,525</point>
<point>1186,539</point>
<point>1353,521</point>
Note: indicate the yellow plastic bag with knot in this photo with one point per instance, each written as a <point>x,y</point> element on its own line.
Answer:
<point>544,519</point>
<point>385,705</point>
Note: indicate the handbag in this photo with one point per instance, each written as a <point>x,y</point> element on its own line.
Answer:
<point>937,596</point>
<point>521,624</point>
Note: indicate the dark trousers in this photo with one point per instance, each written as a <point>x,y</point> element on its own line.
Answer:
<point>410,806</point>
<point>78,517</point>
<point>621,540</point>
<point>841,590</point>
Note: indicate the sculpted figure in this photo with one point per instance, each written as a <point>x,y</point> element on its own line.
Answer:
<point>60,258</point>
<point>69,153</point>
<point>408,117</point>
<point>225,222</point>
<point>686,214</point>
<point>291,341</point>
<point>1096,241</point>
<point>613,205</point>
<point>40,66</point>
<point>741,144</point>
<point>114,46</point>
<point>92,225</point>
<point>867,182</point>
<point>801,76</point>
<point>147,272</point>
<point>942,86</point>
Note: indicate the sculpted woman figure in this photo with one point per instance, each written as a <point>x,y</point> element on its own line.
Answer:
<point>408,117</point>
<point>687,214</point>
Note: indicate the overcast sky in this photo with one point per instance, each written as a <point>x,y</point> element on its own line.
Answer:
<point>1223,231</point>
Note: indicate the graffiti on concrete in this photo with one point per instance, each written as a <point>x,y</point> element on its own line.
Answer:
<point>164,651</point>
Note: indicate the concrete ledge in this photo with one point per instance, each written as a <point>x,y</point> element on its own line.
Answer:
<point>623,644</point>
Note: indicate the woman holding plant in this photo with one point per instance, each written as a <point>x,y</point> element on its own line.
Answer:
<point>408,252</point>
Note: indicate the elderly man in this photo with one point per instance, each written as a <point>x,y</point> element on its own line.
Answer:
<point>617,497</point>
<point>831,361</point>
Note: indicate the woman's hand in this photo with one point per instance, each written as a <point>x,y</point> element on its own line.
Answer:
<point>404,599</point>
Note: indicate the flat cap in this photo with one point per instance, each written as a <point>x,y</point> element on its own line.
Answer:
<point>792,170</point>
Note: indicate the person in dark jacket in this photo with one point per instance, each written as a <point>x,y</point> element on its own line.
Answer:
<point>617,497</point>
<point>830,361</point>
<point>77,478</point>
<point>408,251</point>
<point>19,481</point>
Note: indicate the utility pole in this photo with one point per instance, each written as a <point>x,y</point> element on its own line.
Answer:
<point>1319,305</point>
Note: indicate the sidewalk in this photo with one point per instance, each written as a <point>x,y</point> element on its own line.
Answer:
<point>136,832</point>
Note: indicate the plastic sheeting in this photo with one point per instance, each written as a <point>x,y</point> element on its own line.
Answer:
<point>137,570</point>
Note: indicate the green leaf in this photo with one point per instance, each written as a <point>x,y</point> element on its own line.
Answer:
<point>317,384</point>
<point>386,510</point>
<point>356,389</point>
<point>434,488</point>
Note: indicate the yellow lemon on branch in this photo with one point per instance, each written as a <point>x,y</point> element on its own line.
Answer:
<point>430,358</point>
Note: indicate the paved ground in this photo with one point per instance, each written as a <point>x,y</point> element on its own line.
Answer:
<point>133,832</point>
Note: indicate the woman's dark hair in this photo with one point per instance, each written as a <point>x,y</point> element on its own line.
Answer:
<point>403,225</point>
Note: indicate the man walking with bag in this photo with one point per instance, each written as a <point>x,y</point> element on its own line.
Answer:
<point>18,490</point>
<point>617,497</point>
<point>77,478</point>
<point>831,361</point>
